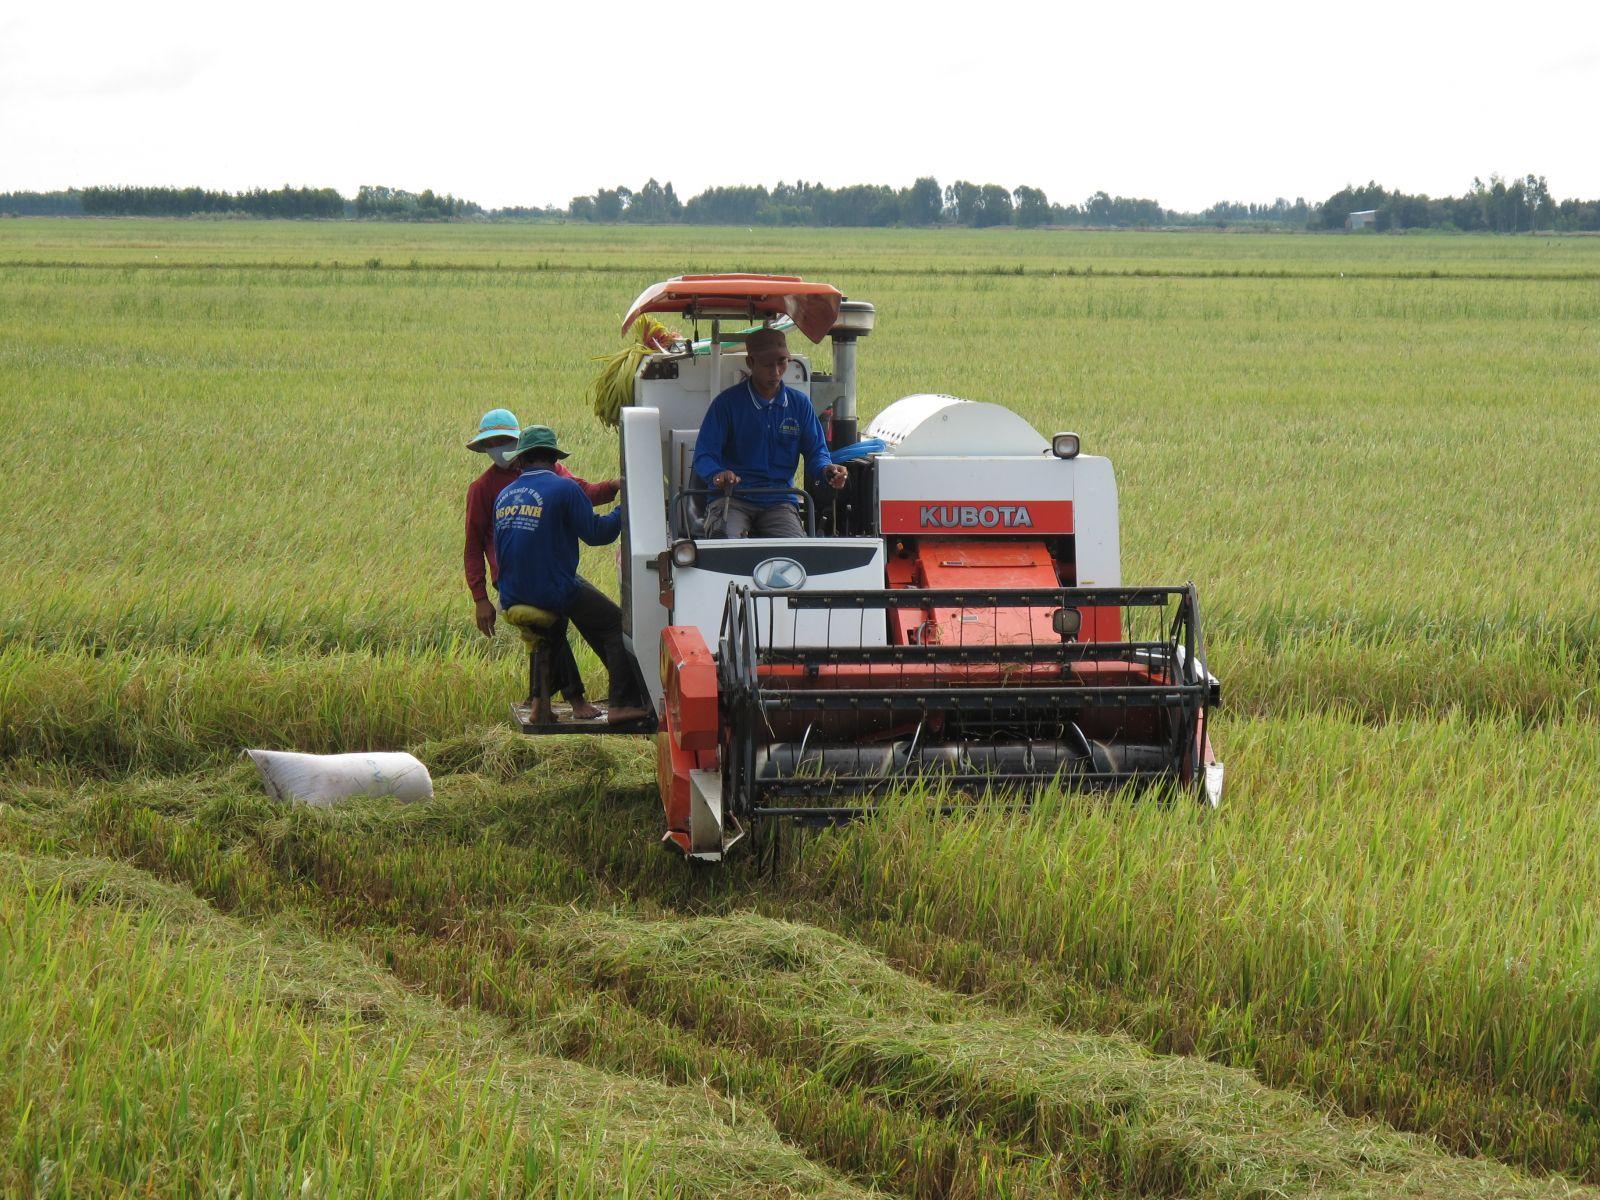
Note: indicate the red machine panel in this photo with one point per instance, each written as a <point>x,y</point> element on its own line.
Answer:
<point>948,563</point>
<point>690,677</point>
<point>687,739</point>
<point>992,563</point>
<point>986,517</point>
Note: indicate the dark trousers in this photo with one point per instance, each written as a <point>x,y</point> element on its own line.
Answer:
<point>564,677</point>
<point>599,620</point>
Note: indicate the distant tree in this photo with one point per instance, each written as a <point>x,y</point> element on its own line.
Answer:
<point>1234,212</point>
<point>1396,211</point>
<point>1498,206</point>
<point>609,202</point>
<point>1578,215</point>
<point>372,201</point>
<point>726,206</point>
<point>863,204</point>
<point>182,202</point>
<point>1336,209</point>
<point>394,204</point>
<point>994,206</point>
<point>1541,205</point>
<point>922,203</point>
<point>1102,209</point>
<point>528,212</point>
<point>1032,207</point>
<point>582,208</point>
<point>965,202</point>
<point>42,204</point>
<point>791,204</point>
<point>653,204</point>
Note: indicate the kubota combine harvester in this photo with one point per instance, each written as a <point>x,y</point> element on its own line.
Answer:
<point>957,617</point>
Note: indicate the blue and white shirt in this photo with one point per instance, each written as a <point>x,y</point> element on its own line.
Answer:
<point>761,441</point>
<point>538,521</point>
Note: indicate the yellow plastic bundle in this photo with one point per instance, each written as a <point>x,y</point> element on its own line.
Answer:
<point>613,386</point>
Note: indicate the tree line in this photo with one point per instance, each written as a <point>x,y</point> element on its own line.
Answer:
<point>925,202</point>
<point>379,203</point>
<point>1498,206</point>
<point>393,204</point>
<point>182,202</point>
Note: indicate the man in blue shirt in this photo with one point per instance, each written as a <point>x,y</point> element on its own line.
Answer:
<point>538,521</point>
<point>753,435</point>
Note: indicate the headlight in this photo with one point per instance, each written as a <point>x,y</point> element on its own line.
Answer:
<point>1066,622</point>
<point>685,553</point>
<point>1064,445</point>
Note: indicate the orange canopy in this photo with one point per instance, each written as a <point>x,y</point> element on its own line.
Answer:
<point>813,307</point>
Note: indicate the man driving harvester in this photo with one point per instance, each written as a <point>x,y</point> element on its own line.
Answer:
<point>538,522</point>
<point>752,437</point>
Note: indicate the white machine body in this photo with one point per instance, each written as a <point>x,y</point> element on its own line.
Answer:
<point>965,467</point>
<point>952,467</point>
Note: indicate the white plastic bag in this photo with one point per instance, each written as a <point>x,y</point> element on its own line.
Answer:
<point>322,780</point>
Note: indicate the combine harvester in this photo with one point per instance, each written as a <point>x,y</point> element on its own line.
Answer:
<point>957,618</point>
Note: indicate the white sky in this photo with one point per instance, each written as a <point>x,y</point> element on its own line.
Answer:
<point>530,104</point>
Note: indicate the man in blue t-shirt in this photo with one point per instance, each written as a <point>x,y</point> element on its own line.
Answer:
<point>538,521</point>
<point>753,435</point>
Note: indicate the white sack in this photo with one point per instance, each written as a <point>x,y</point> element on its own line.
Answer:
<point>322,780</point>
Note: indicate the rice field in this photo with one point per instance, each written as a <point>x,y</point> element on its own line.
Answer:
<point>233,488</point>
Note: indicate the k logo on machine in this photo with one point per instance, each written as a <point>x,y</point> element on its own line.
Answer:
<point>779,575</point>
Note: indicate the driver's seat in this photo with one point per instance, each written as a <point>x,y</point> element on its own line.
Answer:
<point>697,508</point>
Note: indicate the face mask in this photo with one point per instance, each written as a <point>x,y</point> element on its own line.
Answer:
<point>501,455</point>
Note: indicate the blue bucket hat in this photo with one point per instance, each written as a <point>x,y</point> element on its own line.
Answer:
<point>496,423</point>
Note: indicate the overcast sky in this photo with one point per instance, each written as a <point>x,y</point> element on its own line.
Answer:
<point>530,104</point>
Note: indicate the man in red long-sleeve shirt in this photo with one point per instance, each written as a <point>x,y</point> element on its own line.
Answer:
<point>496,436</point>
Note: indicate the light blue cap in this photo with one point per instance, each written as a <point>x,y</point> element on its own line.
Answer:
<point>496,423</point>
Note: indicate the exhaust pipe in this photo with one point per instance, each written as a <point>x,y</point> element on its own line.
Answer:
<point>856,319</point>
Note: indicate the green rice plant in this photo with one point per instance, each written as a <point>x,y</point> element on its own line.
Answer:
<point>1419,888</point>
<point>1300,446</point>
<point>504,248</point>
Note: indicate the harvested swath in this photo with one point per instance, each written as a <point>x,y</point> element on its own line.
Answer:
<point>229,1058</point>
<point>1136,1123</point>
<point>1106,1111</point>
